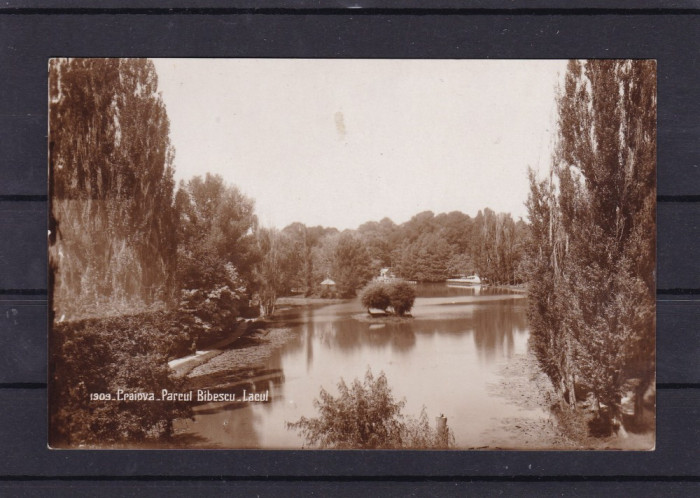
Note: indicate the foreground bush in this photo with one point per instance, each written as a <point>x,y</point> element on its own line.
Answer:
<point>400,295</point>
<point>366,416</point>
<point>103,356</point>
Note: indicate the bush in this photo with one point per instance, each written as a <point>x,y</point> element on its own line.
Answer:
<point>375,295</point>
<point>400,295</point>
<point>365,416</point>
<point>102,356</point>
<point>208,315</point>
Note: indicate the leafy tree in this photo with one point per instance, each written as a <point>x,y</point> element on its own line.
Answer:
<point>593,233</point>
<point>275,270</point>
<point>375,295</point>
<point>111,180</point>
<point>402,295</point>
<point>305,242</point>
<point>103,356</point>
<point>497,246</point>
<point>425,259</point>
<point>217,254</point>
<point>344,258</point>
<point>377,237</point>
<point>351,264</point>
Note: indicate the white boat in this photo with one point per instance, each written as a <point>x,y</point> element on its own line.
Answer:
<point>470,280</point>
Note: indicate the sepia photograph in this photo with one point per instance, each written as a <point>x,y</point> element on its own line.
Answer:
<point>404,254</point>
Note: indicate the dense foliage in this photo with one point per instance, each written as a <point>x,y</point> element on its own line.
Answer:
<point>365,415</point>
<point>215,256</point>
<point>101,356</point>
<point>112,218</point>
<point>592,289</point>
<point>402,295</point>
<point>274,271</point>
<point>398,294</point>
<point>375,295</point>
<point>427,248</point>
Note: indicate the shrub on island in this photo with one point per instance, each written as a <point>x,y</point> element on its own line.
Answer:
<point>399,295</point>
<point>375,295</point>
<point>402,295</point>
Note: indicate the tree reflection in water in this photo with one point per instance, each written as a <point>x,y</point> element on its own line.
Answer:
<point>444,358</point>
<point>494,325</point>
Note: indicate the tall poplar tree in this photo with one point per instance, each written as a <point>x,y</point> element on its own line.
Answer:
<point>593,229</point>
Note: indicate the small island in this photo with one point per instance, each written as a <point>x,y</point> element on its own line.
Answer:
<point>388,297</point>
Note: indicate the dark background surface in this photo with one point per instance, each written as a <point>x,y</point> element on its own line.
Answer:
<point>33,31</point>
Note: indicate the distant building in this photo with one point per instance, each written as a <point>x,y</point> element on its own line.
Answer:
<point>328,284</point>
<point>385,275</point>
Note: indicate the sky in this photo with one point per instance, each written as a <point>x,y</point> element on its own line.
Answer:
<point>338,142</point>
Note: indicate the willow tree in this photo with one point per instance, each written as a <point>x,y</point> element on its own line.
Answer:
<point>593,232</point>
<point>112,216</point>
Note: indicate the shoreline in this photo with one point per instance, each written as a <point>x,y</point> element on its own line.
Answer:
<point>245,357</point>
<point>512,288</point>
<point>524,384</point>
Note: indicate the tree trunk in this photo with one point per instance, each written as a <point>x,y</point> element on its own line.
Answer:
<point>644,384</point>
<point>596,405</point>
<point>562,393</point>
<point>572,392</point>
<point>568,373</point>
<point>617,422</point>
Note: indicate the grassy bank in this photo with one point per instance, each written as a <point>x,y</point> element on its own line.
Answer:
<point>525,385</point>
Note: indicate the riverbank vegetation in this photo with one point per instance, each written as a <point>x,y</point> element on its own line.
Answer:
<point>144,270</point>
<point>592,257</point>
<point>365,415</point>
<point>94,359</point>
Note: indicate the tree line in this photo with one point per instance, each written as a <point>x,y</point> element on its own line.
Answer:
<point>427,248</point>
<point>125,237</point>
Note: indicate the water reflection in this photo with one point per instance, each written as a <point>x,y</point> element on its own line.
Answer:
<point>494,327</point>
<point>443,358</point>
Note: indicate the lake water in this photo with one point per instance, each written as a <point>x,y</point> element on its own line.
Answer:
<point>447,358</point>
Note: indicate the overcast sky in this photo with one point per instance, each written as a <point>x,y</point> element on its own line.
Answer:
<point>339,142</point>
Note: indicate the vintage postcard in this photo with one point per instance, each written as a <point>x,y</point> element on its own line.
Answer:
<point>352,254</point>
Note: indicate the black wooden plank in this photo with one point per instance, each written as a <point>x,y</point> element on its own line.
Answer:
<point>359,5</point>
<point>23,152</point>
<point>677,340</point>
<point>678,252</point>
<point>23,256</point>
<point>23,340</point>
<point>23,435</point>
<point>677,128</point>
<point>187,489</point>
<point>662,37</point>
